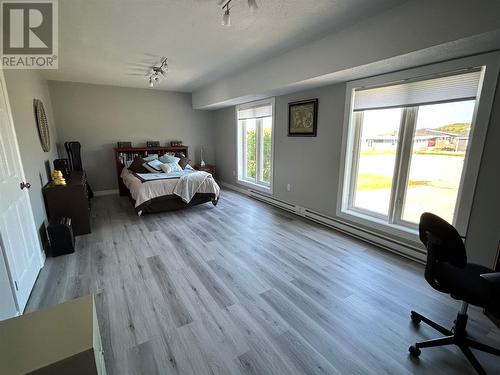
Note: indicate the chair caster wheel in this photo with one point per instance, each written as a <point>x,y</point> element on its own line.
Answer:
<point>415,318</point>
<point>414,351</point>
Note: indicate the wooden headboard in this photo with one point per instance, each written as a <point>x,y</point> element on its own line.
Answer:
<point>129,153</point>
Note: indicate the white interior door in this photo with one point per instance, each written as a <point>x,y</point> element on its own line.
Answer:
<point>18,235</point>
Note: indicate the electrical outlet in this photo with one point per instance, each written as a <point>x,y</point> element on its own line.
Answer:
<point>288,187</point>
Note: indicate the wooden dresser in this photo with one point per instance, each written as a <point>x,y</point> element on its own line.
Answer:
<point>71,201</point>
<point>62,339</point>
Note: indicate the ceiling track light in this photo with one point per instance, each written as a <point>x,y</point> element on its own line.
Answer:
<point>157,72</point>
<point>226,16</point>
<point>252,4</point>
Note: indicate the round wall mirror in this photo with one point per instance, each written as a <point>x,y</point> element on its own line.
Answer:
<point>42,124</point>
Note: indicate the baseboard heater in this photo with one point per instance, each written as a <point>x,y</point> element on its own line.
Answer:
<point>272,201</point>
<point>373,238</point>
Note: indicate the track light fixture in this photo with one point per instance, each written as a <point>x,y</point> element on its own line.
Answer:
<point>226,17</point>
<point>252,4</point>
<point>226,7</point>
<point>157,72</point>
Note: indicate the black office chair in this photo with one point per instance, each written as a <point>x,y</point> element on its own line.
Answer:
<point>447,270</point>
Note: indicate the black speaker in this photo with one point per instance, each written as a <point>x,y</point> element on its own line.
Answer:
<point>61,237</point>
<point>63,166</point>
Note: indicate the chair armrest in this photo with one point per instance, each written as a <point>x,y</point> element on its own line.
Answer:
<point>492,277</point>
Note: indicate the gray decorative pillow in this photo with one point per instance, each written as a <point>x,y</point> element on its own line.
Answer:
<point>171,167</point>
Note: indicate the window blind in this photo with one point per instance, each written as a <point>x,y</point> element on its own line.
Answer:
<point>255,112</point>
<point>452,87</point>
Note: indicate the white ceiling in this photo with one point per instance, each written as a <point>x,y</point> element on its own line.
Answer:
<point>114,41</point>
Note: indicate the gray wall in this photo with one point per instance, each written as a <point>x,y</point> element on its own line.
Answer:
<point>22,87</point>
<point>311,165</point>
<point>484,225</point>
<point>98,116</point>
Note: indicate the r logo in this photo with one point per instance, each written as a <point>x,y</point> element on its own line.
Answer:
<point>27,28</point>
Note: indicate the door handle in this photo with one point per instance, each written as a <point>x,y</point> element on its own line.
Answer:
<point>23,185</point>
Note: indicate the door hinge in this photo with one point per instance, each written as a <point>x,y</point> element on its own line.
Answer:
<point>15,283</point>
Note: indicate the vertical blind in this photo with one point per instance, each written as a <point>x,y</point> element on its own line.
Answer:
<point>265,110</point>
<point>452,87</point>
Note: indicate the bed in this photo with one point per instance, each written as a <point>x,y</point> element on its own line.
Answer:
<point>159,192</point>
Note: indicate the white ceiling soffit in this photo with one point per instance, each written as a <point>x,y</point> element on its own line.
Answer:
<point>465,47</point>
<point>414,33</point>
<point>113,42</point>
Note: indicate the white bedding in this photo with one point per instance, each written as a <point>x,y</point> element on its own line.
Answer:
<point>189,184</point>
<point>154,187</point>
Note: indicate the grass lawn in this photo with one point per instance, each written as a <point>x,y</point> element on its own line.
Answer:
<point>367,181</point>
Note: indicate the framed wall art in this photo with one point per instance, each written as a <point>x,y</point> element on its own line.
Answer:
<point>303,118</point>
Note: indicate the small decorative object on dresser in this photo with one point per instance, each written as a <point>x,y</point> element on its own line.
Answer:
<point>176,143</point>
<point>58,178</point>
<point>63,166</point>
<point>153,144</point>
<point>202,162</point>
<point>123,144</point>
<point>206,168</point>
<point>303,118</point>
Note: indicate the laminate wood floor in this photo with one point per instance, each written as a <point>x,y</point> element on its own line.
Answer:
<point>244,288</point>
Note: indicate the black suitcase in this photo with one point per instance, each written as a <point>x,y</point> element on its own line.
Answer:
<point>61,237</point>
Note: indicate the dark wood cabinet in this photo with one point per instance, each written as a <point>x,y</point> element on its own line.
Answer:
<point>71,201</point>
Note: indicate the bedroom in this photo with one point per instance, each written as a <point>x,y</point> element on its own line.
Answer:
<point>300,250</point>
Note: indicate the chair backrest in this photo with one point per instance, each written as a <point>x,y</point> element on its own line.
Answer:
<point>443,244</point>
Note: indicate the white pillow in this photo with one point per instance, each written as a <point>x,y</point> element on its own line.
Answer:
<point>154,166</point>
<point>169,159</point>
<point>171,167</point>
<point>151,157</point>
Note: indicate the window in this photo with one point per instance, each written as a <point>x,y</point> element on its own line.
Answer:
<point>255,144</point>
<point>407,148</point>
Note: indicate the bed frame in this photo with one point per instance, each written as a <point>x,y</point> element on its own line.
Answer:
<point>160,204</point>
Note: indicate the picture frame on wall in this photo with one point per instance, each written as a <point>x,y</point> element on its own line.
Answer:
<point>303,118</point>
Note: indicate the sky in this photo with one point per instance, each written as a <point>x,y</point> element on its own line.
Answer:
<point>384,121</point>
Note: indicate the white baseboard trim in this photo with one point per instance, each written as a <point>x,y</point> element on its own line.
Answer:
<point>102,193</point>
<point>363,234</point>
<point>233,187</point>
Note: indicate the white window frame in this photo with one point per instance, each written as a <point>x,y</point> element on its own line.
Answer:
<point>240,165</point>
<point>490,64</point>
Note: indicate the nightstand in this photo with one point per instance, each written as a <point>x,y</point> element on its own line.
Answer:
<point>207,168</point>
